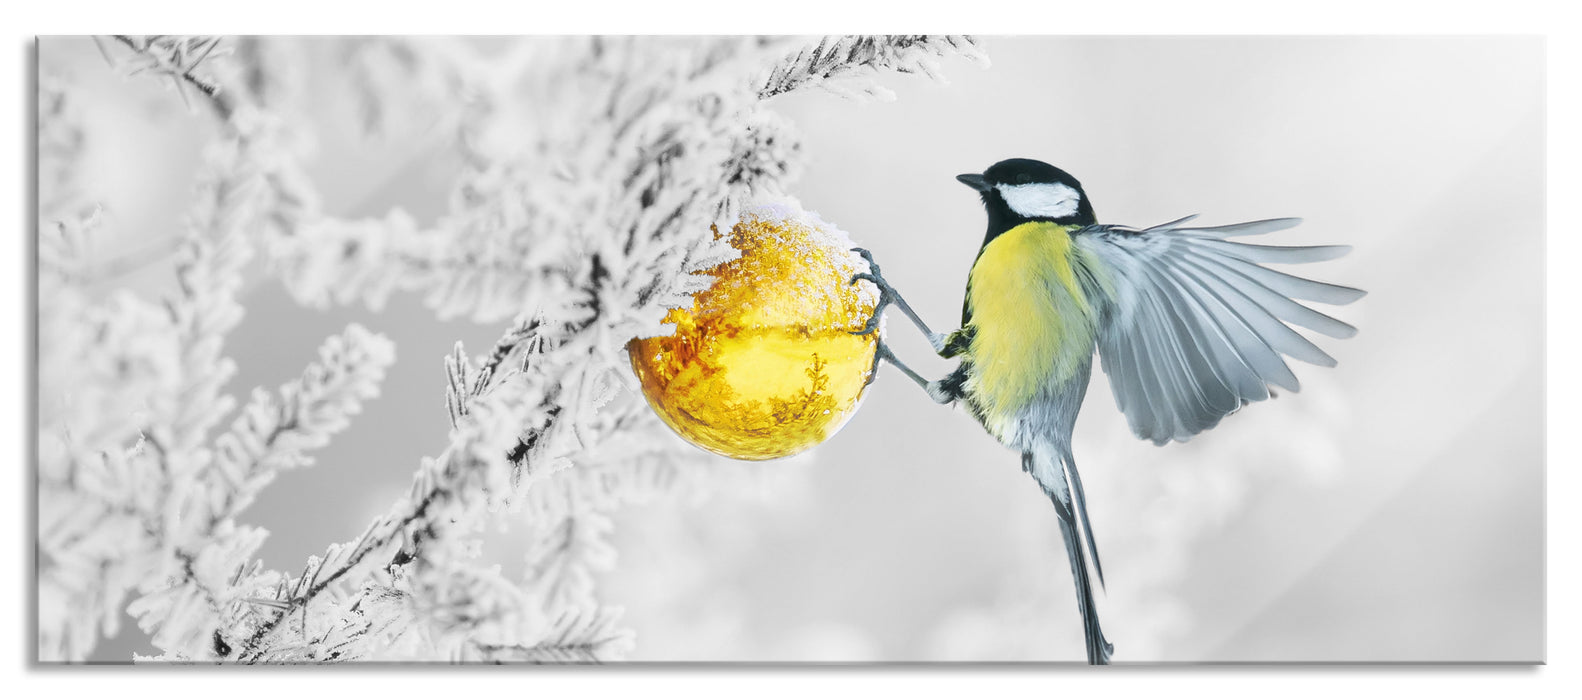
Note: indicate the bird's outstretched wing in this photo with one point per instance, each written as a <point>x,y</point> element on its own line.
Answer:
<point>1192,327</point>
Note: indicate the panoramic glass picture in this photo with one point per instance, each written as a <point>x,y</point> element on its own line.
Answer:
<point>854,349</point>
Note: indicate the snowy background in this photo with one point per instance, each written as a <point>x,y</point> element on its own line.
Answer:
<point>1391,511</point>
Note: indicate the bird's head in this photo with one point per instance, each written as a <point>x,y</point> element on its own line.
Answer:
<point>1019,190</point>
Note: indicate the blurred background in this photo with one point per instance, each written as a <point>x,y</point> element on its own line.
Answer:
<point>1390,511</point>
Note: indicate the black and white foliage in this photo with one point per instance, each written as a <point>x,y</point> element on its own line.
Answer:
<point>594,170</point>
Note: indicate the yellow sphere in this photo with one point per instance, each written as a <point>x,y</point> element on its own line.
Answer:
<point>763,364</point>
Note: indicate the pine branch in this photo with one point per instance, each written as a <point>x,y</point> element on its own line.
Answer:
<point>158,515</point>
<point>576,638</point>
<point>597,169</point>
<point>275,432</point>
<point>611,290</point>
<point>146,486</point>
<point>177,59</point>
<point>833,61</point>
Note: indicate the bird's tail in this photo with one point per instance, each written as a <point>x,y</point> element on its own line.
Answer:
<point>1056,472</point>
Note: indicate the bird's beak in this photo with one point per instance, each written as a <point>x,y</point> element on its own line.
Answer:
<point>975,181</point>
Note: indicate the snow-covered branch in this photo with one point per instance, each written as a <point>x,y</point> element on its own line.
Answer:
<point>596,172</point>
<point>132,496</point>
<point>575,638</point>
<point>838,64</point>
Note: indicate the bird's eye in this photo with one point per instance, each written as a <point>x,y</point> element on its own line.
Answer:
<point>1023,178</point>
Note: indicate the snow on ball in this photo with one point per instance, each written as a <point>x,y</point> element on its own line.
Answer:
<point>764,364</point>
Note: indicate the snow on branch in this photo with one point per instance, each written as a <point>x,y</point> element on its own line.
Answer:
<point>576,638</point>
<point>578,142</point>
<point>275,431</point>
<point>837,64</point>
<point>597,170</point>
<point>132,496</point>
<point>176,59</point>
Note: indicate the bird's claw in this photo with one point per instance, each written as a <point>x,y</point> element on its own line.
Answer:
<point>886,295</point>
<point>873,319</point>
<point>867,256</point>
<point>866,276</point>
<point>872,275</point>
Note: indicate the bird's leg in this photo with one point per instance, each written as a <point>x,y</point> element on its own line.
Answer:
<point>887,296</point>
<point>883,353</point>
<point>936,389</point>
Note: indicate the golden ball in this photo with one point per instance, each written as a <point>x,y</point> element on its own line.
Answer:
<point>763,364</point>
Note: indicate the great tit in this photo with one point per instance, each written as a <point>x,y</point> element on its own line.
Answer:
<point>1187,324</point>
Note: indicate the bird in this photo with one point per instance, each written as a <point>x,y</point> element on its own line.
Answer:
<point>1187,324</point>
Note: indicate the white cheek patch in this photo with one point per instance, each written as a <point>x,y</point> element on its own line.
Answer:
<point>1046,199</point>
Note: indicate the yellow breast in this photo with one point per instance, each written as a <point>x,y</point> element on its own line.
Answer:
<point>1031,323</point>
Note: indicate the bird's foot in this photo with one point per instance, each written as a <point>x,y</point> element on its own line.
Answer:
<point>886,296</point>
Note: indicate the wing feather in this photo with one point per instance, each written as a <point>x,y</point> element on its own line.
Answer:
<point>1281,306</point>
<point>1247,228</point>
<point>1182,357</point>
<point>1289,285</point>
<point>1172,224</point>
<point>1274,253</point>
<point>1279,336</point>
<point>1140,383</point>
<point>1198,349</point>
<point>1193,327</point>
<point>1232,365</point>
<point>1244,336</point>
